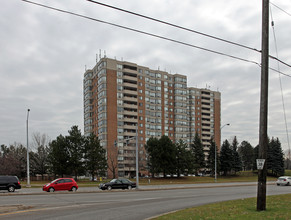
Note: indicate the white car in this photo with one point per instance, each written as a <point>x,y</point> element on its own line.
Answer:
<point>284,180</point>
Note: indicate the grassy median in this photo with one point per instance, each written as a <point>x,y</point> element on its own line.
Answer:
<point>278,207</point>
<point>244,176</point>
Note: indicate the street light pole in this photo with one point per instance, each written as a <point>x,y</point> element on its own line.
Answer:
<point>215,174</point>
<point>27,157</point>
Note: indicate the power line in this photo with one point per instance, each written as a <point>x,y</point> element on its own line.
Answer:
<point>277,71</point>
<point>142,32</point>
<point>174,25</point>
<point>280,61</point>
<point>280,9</point>
<point>282,96</point>
<point>184,28</point>
<point>147,33</point>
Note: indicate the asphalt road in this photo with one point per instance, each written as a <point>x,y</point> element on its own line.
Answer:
<point>134,204</point>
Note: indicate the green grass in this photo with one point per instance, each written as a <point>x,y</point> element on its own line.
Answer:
<point>240,177</point>
<point>287,173</point>
<point>244,176</point>
<point>278,207</point>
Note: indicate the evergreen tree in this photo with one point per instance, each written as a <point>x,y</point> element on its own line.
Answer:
<point>211,158</point>
<point>168,155</point>
<point>183,158</point>
<point>236,160</point>
<point>94,156</point>
<point>75,147</point>
<point>275,160</point>
<point>161,155</point>
<point>153,152</point>
<point>198,153</point>
<point>226,162</point>
<point>246,153</point>
<point>58,157</point>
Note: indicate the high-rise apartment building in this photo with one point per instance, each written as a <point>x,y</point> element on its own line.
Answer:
<point>123,100</point>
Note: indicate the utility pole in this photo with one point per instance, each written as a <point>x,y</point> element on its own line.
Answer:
<point>27,152</point>
<point>136,158</point>
<point>263,135</point>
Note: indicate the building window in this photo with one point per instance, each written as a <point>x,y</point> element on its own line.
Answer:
<point>119,74</point>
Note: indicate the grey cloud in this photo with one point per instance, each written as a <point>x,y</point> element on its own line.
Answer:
<point>44,53</point>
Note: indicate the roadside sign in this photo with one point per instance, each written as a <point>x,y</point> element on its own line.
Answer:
<point>260,163</point>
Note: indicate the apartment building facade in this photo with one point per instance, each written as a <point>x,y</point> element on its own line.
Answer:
<point>125,102</point>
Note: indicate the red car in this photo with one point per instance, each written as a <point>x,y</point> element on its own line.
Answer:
<point>61,184</point>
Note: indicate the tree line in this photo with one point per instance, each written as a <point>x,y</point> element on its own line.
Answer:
<point>170,158</point>
<point>76,154</point>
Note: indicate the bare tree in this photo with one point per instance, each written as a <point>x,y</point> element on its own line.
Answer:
<point>13,160</point>
<point>112,163</point>
<point>39,140</point>
<point>39,158</point>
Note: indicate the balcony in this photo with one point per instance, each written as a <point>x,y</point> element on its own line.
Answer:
<point>131,78</point>
<point>130,85</point>
<point>205,117</point>
<point>127,119</point>
<point>206,132</point>
<point>129,106</point>
<point>131,127</point>
<point>133,133</point>
<point>129,162</point>
<point>127,169</point>
<point>205,126</point>
<point>206,145</point>
<point>205,106</point>
<point>130,92</point>
<point>130,98</point>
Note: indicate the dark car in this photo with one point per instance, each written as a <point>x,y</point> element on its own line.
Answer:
<point>117,184</point>
<point>61,184</point>
<point>9,183</point>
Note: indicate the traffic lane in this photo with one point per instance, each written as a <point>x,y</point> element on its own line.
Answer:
<point>37,190</point>
<point>127,204</point>
<point>143,187</point>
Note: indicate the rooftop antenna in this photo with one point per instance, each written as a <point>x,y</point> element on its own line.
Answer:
<point>104,53</point>
<point>99,53</point>
<point>96,58</point>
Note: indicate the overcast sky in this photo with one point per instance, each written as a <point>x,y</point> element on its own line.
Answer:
<point>44,54</point>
